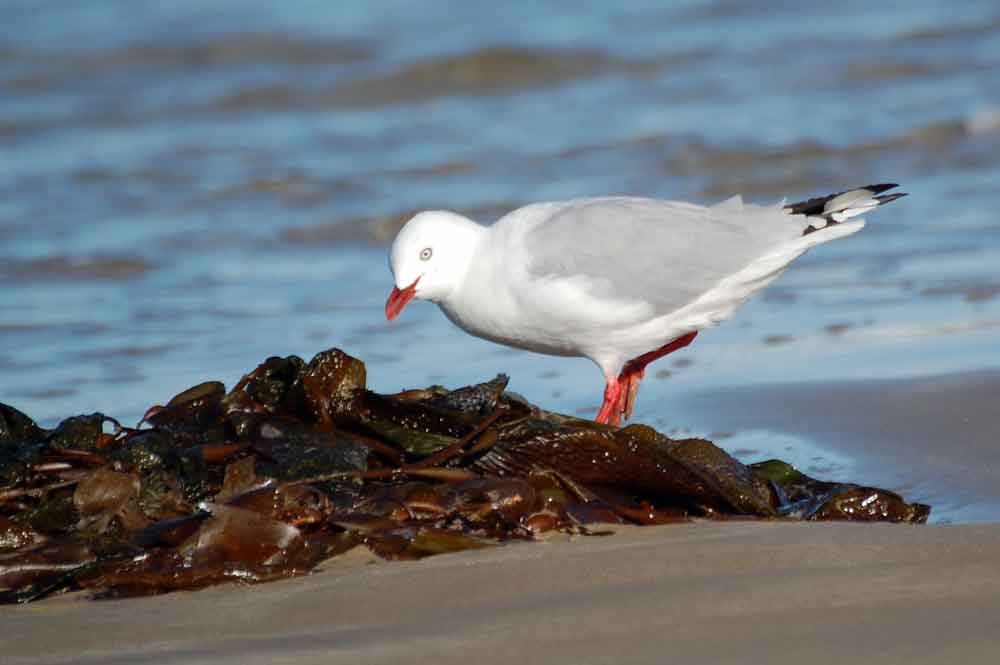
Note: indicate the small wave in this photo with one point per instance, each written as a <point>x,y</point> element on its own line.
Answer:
<point>72,328</point>
<point>808,164</point>
<point>948,32</point>
<point>882,70</point>
<point>970,291</point>
<point>238,49</point>
<point>292,189</point>
<point>127,352</point>
<point>112,268</point>
<point>480,72</point>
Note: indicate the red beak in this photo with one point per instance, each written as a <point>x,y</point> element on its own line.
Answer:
<point>398,299</point>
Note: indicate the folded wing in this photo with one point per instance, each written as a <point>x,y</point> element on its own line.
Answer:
<point>662,253</point>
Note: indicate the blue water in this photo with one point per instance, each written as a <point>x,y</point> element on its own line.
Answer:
<point>189,187</point>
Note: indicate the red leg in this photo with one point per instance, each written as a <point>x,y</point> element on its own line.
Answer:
<point>638,364</point>
<point>630,391</point>
<point>635,370</point>
<point>611,408</point>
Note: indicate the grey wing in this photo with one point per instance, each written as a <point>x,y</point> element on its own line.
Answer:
<point>663,253</point>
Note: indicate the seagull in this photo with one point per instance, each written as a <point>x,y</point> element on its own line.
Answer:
<point>620,280</point>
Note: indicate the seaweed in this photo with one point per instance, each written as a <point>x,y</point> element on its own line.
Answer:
<point>300,462</point>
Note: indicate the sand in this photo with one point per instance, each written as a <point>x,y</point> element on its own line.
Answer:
<point>698,593</point>
<point>936,439</point>
<point>736,592</point>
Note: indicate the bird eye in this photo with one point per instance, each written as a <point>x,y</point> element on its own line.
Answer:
<point>425,254</point>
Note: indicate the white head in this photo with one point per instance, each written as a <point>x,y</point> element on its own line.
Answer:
<point>429,257</point>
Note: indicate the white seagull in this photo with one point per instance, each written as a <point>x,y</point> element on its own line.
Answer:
<point>620,280</point>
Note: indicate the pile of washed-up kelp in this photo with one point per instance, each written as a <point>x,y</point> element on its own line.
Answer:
<point>299,463</point>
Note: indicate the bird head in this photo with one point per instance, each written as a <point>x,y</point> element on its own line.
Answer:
<point>429,258</point>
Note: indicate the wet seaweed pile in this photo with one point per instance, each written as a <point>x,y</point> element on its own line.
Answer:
<point>299,463</point>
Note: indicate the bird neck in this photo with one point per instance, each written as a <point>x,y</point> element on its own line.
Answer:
<point>471,238</point>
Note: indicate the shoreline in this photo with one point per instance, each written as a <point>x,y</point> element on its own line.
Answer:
<point>931,438</point>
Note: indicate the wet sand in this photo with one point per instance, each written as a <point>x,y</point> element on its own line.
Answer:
<point>932,438</point>
<point>698,593</point>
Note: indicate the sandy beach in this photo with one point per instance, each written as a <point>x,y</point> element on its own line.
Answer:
<point>704,592</point>
<point>698,593</point>
<point>933,438</point>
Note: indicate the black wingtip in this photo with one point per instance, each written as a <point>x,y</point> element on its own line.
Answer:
<point>816,206</point>
<point>883,187</point>
<point>889,198</point>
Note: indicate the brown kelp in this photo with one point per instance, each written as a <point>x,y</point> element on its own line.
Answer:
<point>299,462</point>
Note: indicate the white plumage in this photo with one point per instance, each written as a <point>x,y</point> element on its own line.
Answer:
<point>614,279</point>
